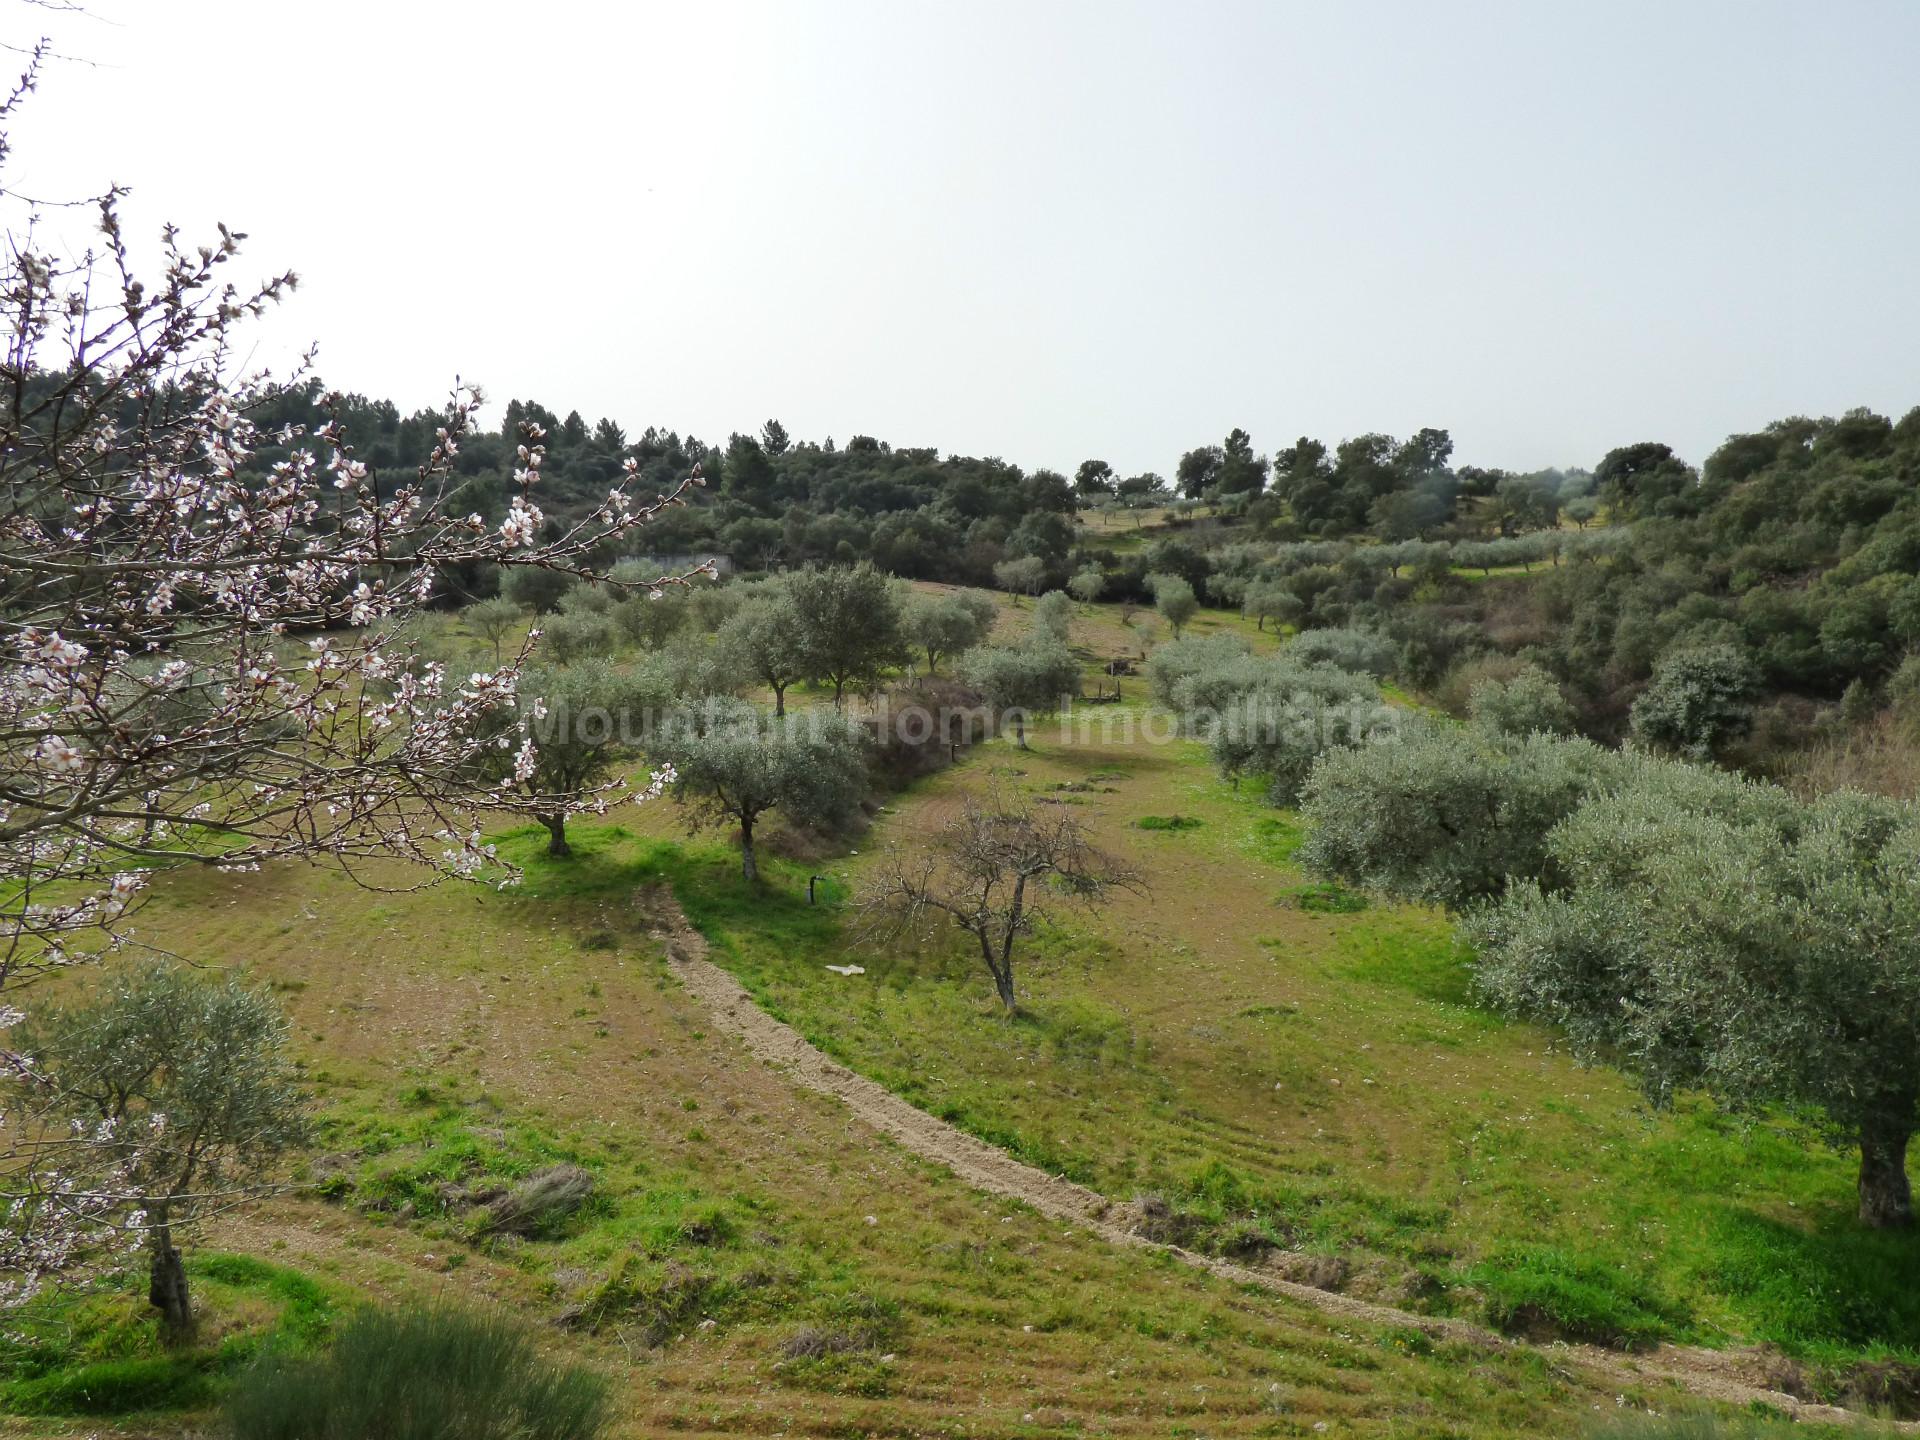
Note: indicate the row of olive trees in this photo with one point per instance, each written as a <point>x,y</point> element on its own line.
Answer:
<point>1701,930</point>
<point>840,626</point>
<point>1271,717</point>
<point>591,714</point>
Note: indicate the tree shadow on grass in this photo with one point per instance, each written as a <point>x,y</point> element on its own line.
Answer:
<point>1836,1283</point>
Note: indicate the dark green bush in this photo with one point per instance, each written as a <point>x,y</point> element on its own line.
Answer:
<point>428,1373</point>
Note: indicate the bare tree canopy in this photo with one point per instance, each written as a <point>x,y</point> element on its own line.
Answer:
<point>996,871</point>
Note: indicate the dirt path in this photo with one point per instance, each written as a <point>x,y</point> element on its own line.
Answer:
<point>1731,1377</point>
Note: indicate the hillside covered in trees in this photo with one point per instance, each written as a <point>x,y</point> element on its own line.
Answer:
<point>1790,552</point>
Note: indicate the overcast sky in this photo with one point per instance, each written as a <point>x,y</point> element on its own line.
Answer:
<point>1046,231</point>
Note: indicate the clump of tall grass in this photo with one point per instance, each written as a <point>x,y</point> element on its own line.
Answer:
<point>541,1203</point>
<point>1706,1425</point>
<point>426,1373</point>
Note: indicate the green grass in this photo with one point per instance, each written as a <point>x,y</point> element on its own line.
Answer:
<point>97,1351</point>
<point>1453,1158</point>
<point>1308,1076</point>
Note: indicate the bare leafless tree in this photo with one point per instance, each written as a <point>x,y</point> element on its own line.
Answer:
<point>995,870</point>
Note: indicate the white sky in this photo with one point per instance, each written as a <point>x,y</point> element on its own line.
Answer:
<point>1045,230</point>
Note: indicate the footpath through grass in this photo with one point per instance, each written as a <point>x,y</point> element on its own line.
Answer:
<point>748,1261</point>
<point>1290,1071</point>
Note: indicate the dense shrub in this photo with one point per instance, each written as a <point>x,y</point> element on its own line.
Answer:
<point>430,1373</point>
<point>1697,701</point>
<point>1172,662</point>
<point>1280,735</point>
<point>1528,703</point>
<point>1444,815</point>
<point>1346,648</point>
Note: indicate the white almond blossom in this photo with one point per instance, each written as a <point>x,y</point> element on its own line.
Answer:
<point>206,659</point>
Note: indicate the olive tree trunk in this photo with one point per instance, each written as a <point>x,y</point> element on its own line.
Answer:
<point>749,868</point>
<point>557,835</point>
<point>167,1278</point>
<point>1886,1196</point>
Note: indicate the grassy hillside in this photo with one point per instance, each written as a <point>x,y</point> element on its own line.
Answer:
<point>1295,1077</point>
<point>459,1039</point>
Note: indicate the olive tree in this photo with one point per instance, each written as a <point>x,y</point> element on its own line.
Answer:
<point>1022,576</point>
<point>495,619</point>
<point>1053,617</point>
<point>1172,663</point>
<point>651,621</point>
<point>993,871</point>
<point>1087,585</point>
<point>942,625</point>
<point>1442,815</point>
<point>1018,680</point>
<point>583,720</point>
<point>1269,600</point>
<point>1367,652</point>
<point>1528,702</point>
<point>1762,952</point>
<point>191,1080</point>
<point>1279,733</point>
<point>1697,928</point>
<point>847,619</point>
<point>733,763</point>
<point>1173,597</point>
<point>761,640</point>
<point>576,634</point>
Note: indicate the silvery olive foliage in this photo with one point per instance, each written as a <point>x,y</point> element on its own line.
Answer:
<point>1172,662</point>
<point>587,720</point>
<point>1768,953</point>
<point>1021,680</point>
<point>1023,575</point>
<point>207,652</point>
<point>1702,930</point>
<point>946,624</point>
<point>1528,703</point>
<point>1053,617</point>
<point>1280,734</point>
<point>1173,597</point>
<point>1087,585</point>
<point>848,624</point>
<point>732,763</point>
<point>1443,815</point>
<point>187,1083</point>
<point>1367,652</point>
<point>1268,716</point>
<point>761,642</point>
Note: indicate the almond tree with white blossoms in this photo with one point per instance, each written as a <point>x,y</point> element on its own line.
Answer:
<point>210,663</point>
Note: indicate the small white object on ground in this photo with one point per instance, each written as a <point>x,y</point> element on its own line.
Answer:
<point>848,969</point>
